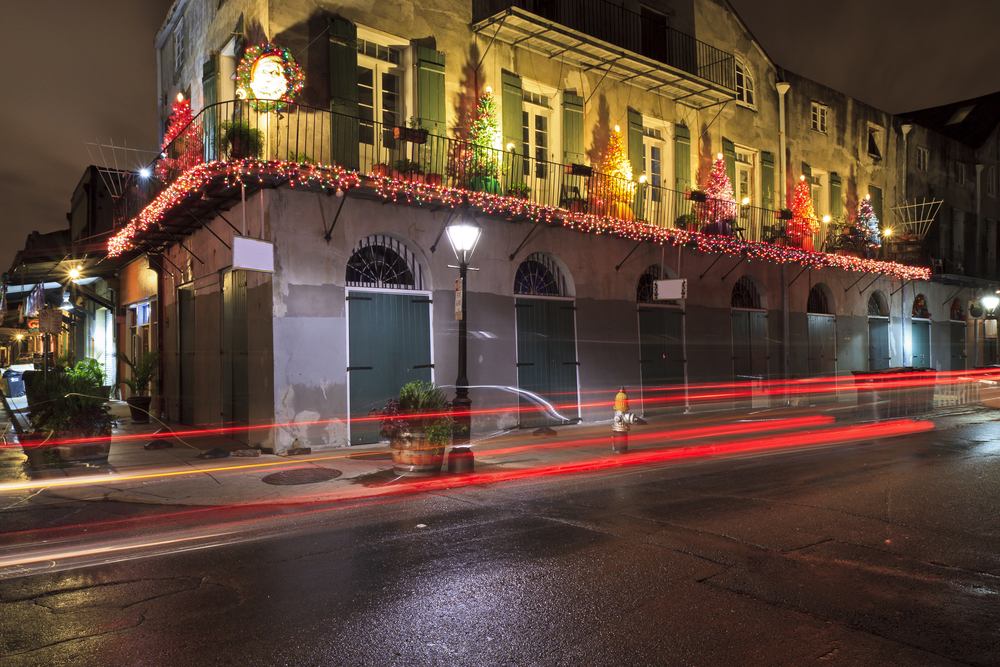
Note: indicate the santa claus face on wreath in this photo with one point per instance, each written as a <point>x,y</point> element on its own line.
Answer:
<point>267,78</point>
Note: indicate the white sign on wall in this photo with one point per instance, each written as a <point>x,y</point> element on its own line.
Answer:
<point>253,254</point>
<point>670,289</point>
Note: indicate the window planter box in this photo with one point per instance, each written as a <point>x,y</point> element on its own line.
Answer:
<point>412,135</point>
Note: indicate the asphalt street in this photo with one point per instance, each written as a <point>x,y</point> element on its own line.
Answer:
<point>883,552</point>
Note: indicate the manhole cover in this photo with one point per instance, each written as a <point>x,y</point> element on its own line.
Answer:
<point>374,456</point>
<point>301,476</point>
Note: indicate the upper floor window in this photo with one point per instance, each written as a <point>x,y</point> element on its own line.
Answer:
<point>922,155</point>
<point>991,181</point>
<point>819,116</point>
<point>960,173</point>
<point>744,85</point>
<point>874,142</point>
<point>378,51</point>
<point>179,44</point>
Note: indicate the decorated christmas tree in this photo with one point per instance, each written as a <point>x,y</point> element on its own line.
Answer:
<point>720,208</point>
<point>483,157</point>
<point>619,186</point>
<point>804,223</point>
<point>866,225</point>
<point>182,142</point>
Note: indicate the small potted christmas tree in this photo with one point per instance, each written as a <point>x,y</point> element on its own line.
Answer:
<point>803,223</point>
<point>482,157</point>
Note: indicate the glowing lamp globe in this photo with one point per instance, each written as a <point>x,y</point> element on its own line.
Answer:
<point>990,302</point>
<point>464,235</point>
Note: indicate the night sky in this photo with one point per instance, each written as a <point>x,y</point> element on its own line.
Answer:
<point>86,72</point>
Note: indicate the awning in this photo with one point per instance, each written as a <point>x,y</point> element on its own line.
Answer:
<point>685,70</point>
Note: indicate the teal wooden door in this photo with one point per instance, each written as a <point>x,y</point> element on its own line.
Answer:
<point>389,338</point>
<point>822,345</point>
<point>920,330</point>
<point>186,345</point>
<point>749,344</point>
<point>958,355</point>
<point>878,343</point>
<point>235,358</point>
<point>546,362</point>
<point>661,357</point>
<point>750,354</point>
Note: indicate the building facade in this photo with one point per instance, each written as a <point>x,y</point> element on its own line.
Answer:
<point>354,183</point>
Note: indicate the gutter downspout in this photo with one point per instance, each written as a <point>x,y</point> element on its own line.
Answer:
<point>907,128</point>
<point>785,329</point>
<point>979,232</point>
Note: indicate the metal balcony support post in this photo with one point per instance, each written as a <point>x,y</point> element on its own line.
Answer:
<point>626,256</point>
<point>848,289</point>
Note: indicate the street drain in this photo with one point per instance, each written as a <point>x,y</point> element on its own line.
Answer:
<point>374,456</point>
<point>301,476</point>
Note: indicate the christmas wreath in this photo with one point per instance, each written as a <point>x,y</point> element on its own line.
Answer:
<point>259,72</point>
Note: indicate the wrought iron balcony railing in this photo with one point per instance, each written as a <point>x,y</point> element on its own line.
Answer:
<point>233,131</point>
<point>621,27</point>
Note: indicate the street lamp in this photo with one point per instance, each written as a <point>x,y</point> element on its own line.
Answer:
<point>463,233</point>
<point>990,303</point>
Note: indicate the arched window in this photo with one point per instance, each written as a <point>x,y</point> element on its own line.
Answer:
<point>877,306</point>
<point>384,262</point>
<point>744,85</point>
<point>539,275</point>
<point>644,288</point>
<point>745,294</point>
<point>818,301</point>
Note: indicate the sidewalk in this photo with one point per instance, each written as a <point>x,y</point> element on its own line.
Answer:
<point>176,475</point>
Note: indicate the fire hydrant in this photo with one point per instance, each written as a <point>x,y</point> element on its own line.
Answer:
<point>621,423</point>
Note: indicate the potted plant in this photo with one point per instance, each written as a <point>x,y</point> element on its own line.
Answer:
<point>418,426</point>
<point>408,170</point>
<point>71,425</point>
<point>519,189</point>
<point>143,372</point>
<point>243,140</point>
<point>92,370</point>
<point>687,221</point>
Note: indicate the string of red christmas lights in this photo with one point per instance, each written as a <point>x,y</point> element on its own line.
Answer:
<point>398,189</point>
<point>194,179</point>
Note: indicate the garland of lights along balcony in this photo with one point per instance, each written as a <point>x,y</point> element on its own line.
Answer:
<point>400,189</point>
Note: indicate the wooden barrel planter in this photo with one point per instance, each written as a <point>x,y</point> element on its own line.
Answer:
<point>413,456</point>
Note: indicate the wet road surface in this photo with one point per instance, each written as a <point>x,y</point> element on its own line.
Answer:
<point>884,553</point>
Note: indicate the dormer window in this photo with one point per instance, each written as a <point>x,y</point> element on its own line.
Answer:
<point>874,142</point>
<point>744,85</point>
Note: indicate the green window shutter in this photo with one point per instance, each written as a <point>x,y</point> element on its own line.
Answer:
<point>572,129</point>
<point>767,180</point>
<point>210,80</point>
<point>343,67</point>
<point>431,112</point>
<point>210,93</point>
<point>512,99</point>
<point>729,155</point>
<point>635,142</point>
<point>806,171</point>
<point>682,157</point>
<point>836,208</point>
<point>876,195</point>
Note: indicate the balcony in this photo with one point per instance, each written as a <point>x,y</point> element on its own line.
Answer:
<point>607,38</point>
<point>220,165</point>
